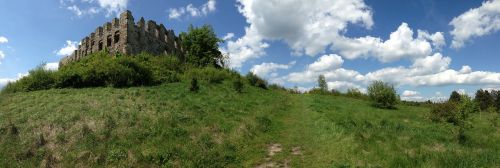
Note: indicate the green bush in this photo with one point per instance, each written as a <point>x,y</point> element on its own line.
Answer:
<point>104,70</point>
<point>37,79</point>
<point>255,80</point>
<point>193,87</point>
<point>382,94</point>
<point>202,47</point>
<point>208,74</point>
<point>354,92</point>
<point>238,85</point>
<point>444,112</point>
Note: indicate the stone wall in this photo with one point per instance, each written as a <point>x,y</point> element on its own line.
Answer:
<point>124,36</point>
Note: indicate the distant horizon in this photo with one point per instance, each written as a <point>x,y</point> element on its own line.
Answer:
<point>426,48</point>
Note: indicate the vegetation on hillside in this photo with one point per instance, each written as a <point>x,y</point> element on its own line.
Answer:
<point>383,94</point>
<point>190,111</point>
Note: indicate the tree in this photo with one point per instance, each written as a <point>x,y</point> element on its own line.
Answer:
<point>201,46</point>
<point>455,97</point>
<point>496,97</point>
<point>465,108</point>
<point>382,94</point>
<point>483,99</point>
<point>323,86</point>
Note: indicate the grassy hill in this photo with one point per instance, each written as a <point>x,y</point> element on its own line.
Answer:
<point>169,126</point>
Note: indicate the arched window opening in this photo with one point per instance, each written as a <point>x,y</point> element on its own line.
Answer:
<point>100,45</point>
<point>108,41</point>
<point>117,37</point>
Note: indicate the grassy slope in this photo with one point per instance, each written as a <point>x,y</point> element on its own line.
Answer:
<point>167,125</point>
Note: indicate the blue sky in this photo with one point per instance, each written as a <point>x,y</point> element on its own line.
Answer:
<point>427,48</point>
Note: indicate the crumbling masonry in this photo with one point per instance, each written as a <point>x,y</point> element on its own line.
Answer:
<point>126,37</point>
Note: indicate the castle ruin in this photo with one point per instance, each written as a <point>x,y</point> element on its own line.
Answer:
<point>122,35</point>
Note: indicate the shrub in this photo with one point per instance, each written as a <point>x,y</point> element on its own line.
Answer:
<point>208,74</point>
<point>322,83</point>
<point>255,80</point>
<point>354,92</point>
<point>37,79</point>
<point>104,70</point>
<point>455,97</point>
<point>193,87</point>
<point>238,85</point>
<point>444,112</point>
<point>202,46</point>
<point>484,99</point>
<point>382,94</point>
<point>465,108</point>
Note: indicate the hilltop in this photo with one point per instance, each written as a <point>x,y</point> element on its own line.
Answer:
<point>169,126</point>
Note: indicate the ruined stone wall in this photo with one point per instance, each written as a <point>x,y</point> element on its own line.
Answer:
<point>124,36</point>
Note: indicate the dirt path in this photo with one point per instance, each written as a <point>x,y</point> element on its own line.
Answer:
<point>291,147</point>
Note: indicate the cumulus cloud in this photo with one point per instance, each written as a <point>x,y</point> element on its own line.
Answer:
<point>427,71</point>
<point>3,39</point>
<point>91,7</point>
<point>191,10</point>
<point>51,66</point>
<point>68,48</point>
<point>330,66</point>
<point>312,27</point>
<point>268,69</point>
<point>228,36</point>
<point>5,81</point>
<point>476,22</point>
<point>2,54</point>
<point>401,44</point>
<point>410,95</point>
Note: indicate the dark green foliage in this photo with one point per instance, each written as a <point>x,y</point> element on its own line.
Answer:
<point>101,69</point>
<point>105,70</point>
<point>355,93</point>
<point>455,97</point>
<point>444,112</point>
<point>383,95</point>
<point>37,79</point>
<point>202,46</point>
<point>322,83</point>
<point>255,80</point>
<point>238,85</point>
<point>209,74</point>
<point>496,96</point>
<point>193,87</point>
<point>484,99</point>
<point>465,109</point>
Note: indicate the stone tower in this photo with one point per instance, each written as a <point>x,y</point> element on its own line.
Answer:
<point>123,35</point>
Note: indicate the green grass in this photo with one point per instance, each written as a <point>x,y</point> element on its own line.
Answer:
<point>168,126</point>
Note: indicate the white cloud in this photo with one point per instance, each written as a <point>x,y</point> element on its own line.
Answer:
<point>91,7</point>
<point>427,71</point>
<point>401,44</point>
<point>5,81</point>
<point>2,54</point>
<point>228,36</point>
<point>343,86</point>
<point>476,22</point>
<point>3,39</point>
<point>190,9</point>
<point>326,62</point>
<point>245,48</point>
<point>68,48</point>
<point>267,69</point>
<point>51,66</point>
<point>310,27</point>
<point>410,95</point>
